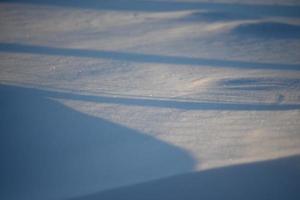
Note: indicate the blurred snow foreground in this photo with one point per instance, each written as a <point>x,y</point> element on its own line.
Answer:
<point>149,99</point>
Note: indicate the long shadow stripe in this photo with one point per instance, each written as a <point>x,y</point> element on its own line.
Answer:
<point>142,58</point>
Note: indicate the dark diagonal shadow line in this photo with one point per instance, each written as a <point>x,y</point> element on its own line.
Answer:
<point>161,103</point>
<point>142,58</point>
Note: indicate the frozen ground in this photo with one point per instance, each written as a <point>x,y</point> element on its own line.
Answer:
<point>149,99</point>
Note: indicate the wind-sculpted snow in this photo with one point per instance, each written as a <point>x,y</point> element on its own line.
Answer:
<point>142,58</point>
<point>157,99</point>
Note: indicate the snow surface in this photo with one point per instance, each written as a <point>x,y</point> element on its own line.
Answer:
<point>161,99</point>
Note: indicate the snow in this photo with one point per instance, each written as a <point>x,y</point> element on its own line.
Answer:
<point>142,99</point>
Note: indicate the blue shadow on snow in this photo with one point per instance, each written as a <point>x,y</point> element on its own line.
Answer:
<point>143,58</point>
<point>50,151</point>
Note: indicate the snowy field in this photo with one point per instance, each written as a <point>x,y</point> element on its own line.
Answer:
<point>157,99</point>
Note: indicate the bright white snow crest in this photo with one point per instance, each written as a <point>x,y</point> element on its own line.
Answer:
<point>101,95</point>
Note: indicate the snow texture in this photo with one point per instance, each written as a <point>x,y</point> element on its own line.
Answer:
<point>149,99</point>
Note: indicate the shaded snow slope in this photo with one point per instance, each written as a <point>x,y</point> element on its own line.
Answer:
<point>99,95</point>
<point>61,152</point>
<point>248,181</point>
